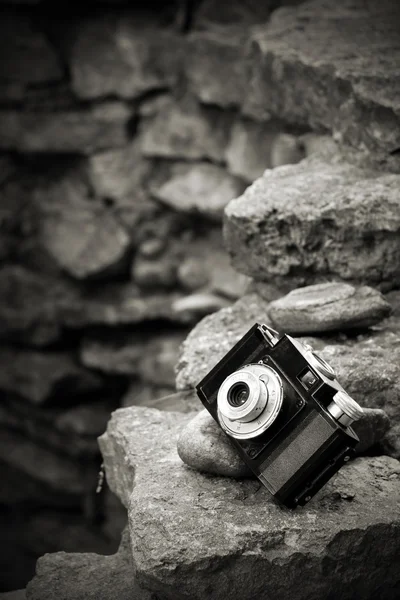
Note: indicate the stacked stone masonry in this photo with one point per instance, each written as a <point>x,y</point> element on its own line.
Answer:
<point>158,165</point>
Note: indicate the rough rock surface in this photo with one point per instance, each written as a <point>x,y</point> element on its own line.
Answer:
<point>211,339</point>
<point>186,131</point>
<point>131,57</point>
<point>316,220</point>
<point>254,147</point>
<point>346,84</point>
<point>204,446</point>
<point>200,188</point>
<point>83,130</point>
<point>328,307</point>
<point>86,576</point>
<point>196,536</point>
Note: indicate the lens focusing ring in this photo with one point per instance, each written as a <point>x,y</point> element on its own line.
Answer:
<point>253,416</point>
<point>344,409</point>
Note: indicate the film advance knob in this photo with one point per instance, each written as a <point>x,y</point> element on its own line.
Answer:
<point>344,409</point>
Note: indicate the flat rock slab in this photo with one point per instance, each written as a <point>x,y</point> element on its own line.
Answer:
<point>197,536</point>
<point>339,79</point>
<point>317,220</point>
<point>86,576</point>
<point>204,446</point>
<point>328,307</point>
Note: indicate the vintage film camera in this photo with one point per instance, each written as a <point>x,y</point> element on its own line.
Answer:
<point>284,410</point>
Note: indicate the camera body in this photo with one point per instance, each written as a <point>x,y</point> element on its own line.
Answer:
<point>285,412</point>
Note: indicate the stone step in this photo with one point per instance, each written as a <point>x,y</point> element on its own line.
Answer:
<point>319,220</point>
<point>198,536</point>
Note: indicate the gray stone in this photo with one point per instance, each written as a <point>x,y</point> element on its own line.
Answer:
<point>199,189</point>
<point>182,521</point>
<point>317,220</point>
<point>83,130</point>
<point>194,306</point>
<point>86,576</point>
<point>28,306</point>
<point>232,12</point>
<point>82,236</point>
<point>216,66</point>
<point>7,168</point>
<point>154,274</point>
<point>152,358</point>
<point>140,394</point>
<point>186,131</point>
<point>346,84</point>
<point>117,173</point>
<point>203,445</point>
<point>133,56</point>
<point>15,595</point>
<point>42,377</point>
<point>26,56</point>
<point>254,147</point>
<point>328,307</point>
<point>211,339</point>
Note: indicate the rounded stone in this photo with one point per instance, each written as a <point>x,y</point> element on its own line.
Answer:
<point>204,446</point>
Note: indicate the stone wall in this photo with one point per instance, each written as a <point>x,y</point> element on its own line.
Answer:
<point>121,141</point>
<point>125,130</point>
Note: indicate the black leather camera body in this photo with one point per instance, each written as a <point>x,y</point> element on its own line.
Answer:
<point>284,410</point>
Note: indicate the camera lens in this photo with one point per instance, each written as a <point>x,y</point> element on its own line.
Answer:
<point>238,394</point>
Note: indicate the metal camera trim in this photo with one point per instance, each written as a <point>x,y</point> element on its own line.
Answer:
<point>260,409</point>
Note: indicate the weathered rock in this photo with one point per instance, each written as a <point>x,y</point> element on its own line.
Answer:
<point>182,522</point>
<point>318,46</point>
<point>161,398</point>
<point>83,130</point>
<point>204,446</point>
<point>152,358</point>
<point>28,304</point>
<point>200,188</point>
<point>186,131</point>
<point>231,12</point>
<point>116,174</point>
<point>154,274</point>
<point>15,595</point>
<point>315,220</point>
<point>133,56</point>
<point>216,66</point>
<point>42,377</point>
<point>82,236</point>
<point>26,56</point>
<point>193,307</point>
<point>86,576</point>
<point>254,147</point>
<point>211,339</point>
<point>328,307</point>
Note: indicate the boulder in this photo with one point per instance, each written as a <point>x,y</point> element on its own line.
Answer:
<point>254,147</point>
<point>42,377</point>
<point>139,394</point>
<point>209,13</point>
<point>86,576</point>
<point>328,307</point>
<point>133,56</point>
<point>203,445</point>
<point>317,47</point>
<point>187,131</point>
<point>216,65</point>
<point>83,130</point>
<point>315,220</point>
<point>211,339</point>
<point>197,536</point>
<point>199,188</point>
<point>152,358</point>
<point>82,236</point>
